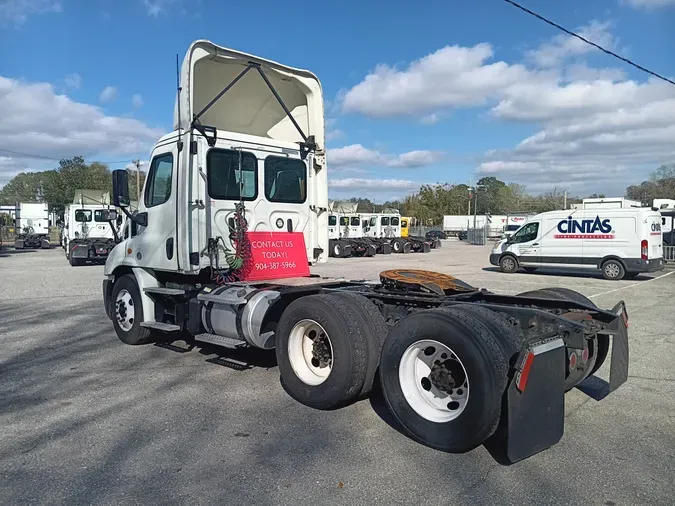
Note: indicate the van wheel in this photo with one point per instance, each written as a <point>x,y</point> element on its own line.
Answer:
<point>127,312</point>
<point>613,270</point>
<point>508,264</point>
<point>322,351</point>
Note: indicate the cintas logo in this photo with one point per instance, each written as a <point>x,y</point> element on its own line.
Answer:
<point>584,229</point>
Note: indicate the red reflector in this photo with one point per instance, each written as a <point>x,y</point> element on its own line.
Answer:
<point>573,360</point>
<point>525,372</point>
<point>584,356</point>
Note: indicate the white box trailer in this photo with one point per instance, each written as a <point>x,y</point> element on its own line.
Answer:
<point>607,203</point>
<point>457,364</point>
<point>453,224</point>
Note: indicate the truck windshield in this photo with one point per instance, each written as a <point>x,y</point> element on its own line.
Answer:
<point>285,180</point>
<point>384,220</point>
<point>356,222</point>
<point>82,215</point>
<point>344,221</point>
<point>394,222</point>
<point>332,221</point>
<point>99,215</point>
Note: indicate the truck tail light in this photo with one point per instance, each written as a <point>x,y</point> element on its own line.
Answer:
<point>644,249</point>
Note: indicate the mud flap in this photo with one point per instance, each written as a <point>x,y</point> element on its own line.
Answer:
<point>536,400</point>
<point>618,366</point>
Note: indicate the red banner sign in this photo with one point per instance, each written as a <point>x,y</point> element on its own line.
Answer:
<point>276,255</point>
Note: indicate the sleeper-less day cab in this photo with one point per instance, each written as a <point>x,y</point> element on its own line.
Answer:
<point>457,364</point>
<point>620,242</point>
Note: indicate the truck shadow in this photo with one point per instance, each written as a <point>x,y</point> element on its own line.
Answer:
<point>239,359</point>
<point>5,251</point>
<point>568,273</point>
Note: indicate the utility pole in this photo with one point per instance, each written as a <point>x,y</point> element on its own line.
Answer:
<point>565,201</point>
<point>137,163</point>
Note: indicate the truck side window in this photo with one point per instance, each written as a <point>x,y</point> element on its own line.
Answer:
<point>223,178</point>
<point>528,233</point>
<point>373,221</point>
<point>384,221</point>
<point>82,215</point>
<point>332,221</point>
<point>158,187</point>
<point>344,221</point>
<point>285,180</point>
<point>98,216</point>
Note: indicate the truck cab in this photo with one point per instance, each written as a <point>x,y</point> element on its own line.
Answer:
<point>89,232</point>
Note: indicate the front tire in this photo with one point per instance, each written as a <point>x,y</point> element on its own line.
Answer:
<point>508,264</point>
<point>127,312</point>
<point>443,376</point>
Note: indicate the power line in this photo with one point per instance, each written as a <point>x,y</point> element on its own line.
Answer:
<point>29,155</point>
<point>611,53</point>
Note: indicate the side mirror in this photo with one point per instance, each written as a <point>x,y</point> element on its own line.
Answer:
<point>120,180</point>
<point>111,215</point>
<point>119,220</point>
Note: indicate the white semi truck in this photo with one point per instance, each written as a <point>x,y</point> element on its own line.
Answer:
<point>89,233</point>
<point>32,226</point>
<point>457,364</point>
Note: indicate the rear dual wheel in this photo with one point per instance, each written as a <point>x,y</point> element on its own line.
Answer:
<point>328,348</point>
<point>444,372</point>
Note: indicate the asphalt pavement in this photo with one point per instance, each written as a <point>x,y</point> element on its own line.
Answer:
<point>85,419</point>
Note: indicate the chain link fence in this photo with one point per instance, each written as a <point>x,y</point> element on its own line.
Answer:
<point>477,236</point>
<point>669,253</point>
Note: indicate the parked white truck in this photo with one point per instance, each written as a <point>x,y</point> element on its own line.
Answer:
<point>32,226</point>
<point>457,364</point>
<point>89,233</point>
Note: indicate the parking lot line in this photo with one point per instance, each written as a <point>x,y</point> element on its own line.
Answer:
<point>639,283</point>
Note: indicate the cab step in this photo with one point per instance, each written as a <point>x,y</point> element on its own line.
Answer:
<point>164,327</point>
<point>225,342</point>
<point>164,291</point>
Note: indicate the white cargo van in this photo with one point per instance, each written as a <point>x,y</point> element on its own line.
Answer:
<point>619,242</point>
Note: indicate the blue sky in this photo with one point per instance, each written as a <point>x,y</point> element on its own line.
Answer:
<point>443,93</point>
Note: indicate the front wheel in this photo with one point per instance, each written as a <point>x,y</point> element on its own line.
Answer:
<point>443,375</point>
<point>127,311</point>
<point>508,264</point>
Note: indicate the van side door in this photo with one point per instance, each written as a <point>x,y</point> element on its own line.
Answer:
<point>526,243</point>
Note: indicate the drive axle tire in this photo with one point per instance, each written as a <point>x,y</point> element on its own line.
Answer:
<point>336,249</point>
<point>397,245</point>
<point>127,312</point>
<point>322,351</point>
<point>443,374</point>
<point>375,331</point>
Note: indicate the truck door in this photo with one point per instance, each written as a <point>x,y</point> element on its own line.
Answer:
<point>527,243</point>
<point>154,245</point>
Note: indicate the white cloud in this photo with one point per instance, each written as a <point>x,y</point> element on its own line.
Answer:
<point>593,126</point>
<point>73,81</point>
<point>108,94</point>
<point>648,4</point>
<point>449,78</point>
<point>356,154</point>
<point>562,47</point>
<point>38,121</point>
<point>17,11</point>
<point>137,101</point>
